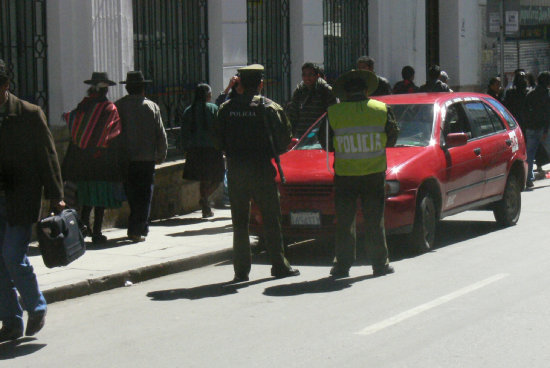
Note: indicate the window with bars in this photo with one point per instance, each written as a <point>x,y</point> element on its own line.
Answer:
<point>171,48</point>
<point>23,47</point>
<point>345,35</point>
<point>269,44</point>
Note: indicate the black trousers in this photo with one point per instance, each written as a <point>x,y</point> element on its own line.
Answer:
<point>370,191</point>
<point>139,191</point>
<point>248,182</point>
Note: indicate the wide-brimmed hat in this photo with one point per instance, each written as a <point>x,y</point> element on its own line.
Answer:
<point>100,77</point>
<point>368,77</point>
<point>135,77</point>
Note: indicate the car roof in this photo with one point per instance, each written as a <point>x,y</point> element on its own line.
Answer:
<point>426,98</point>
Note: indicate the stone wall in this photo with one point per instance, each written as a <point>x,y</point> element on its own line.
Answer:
<point>172,195</point>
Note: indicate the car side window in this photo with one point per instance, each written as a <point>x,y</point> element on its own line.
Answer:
<point>507,116</point>
<point>495,120</point>
<point>479,118</point>
<point>456,121</point>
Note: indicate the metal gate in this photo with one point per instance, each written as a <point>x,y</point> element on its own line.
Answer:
<point>269,45</point>
<point>345,35</point>
<point>23,47</point>
<point>171,48</point>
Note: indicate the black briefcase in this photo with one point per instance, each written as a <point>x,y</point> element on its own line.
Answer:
<point>60,239</point>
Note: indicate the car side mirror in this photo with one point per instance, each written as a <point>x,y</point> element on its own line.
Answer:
<point>292,143</point>
<point>456,139</point>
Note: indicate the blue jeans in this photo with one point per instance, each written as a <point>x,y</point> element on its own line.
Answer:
<point>533,138</point>
<point>16,272</point>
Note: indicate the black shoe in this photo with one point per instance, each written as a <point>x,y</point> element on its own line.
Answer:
<point>280,274</point>
<point>240,278</point>
<point>339,272</point>
<point>10,333</point>
<point>99,239</point>
<point>382,271</point>
<point>207,212</point>
<point>529,184</point>
<point>35,322</point>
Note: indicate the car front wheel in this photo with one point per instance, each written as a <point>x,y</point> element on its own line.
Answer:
<point>507,210</point>
<point>423,234</point>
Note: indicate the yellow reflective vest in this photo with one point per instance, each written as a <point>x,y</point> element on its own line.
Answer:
<point>359,137</point>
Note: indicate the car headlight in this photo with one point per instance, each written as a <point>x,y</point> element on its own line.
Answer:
<point>392,188</point>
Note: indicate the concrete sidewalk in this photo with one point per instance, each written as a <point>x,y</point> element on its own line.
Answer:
<point>173,245</point>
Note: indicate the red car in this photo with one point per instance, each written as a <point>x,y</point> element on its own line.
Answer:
<point>455,152</point>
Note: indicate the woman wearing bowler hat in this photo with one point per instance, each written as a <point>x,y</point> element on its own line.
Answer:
<point>92,158</point>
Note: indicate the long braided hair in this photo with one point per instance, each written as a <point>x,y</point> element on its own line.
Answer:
<point>202,92</point>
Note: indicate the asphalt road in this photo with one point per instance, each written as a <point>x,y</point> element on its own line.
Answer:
<point>480,299</point>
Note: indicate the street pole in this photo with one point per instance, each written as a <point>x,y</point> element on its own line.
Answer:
<point>502,20</point>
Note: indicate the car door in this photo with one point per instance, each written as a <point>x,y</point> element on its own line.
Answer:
<point>495,144</point>
<point>463,174</point>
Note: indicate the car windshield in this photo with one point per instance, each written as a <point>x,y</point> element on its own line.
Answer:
<point>415,124</point>
<point>415,127</point>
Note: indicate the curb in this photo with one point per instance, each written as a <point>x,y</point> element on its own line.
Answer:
<point>104,283</point>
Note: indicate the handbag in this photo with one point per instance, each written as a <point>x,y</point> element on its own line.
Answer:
<point>60,238</point>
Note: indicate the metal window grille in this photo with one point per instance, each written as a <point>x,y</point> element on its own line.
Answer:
<point>269,44</point>
<point>171,48</point>
<point>345,35</point>
<point>24,48</point>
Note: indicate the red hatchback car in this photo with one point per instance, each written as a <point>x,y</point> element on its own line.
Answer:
<point>455,152</point>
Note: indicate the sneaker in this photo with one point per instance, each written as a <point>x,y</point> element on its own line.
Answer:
<point>280,274</point>
<point>35,322</point>
<point>10,333</point>
<point>339,272</point>
<point>382,271</point>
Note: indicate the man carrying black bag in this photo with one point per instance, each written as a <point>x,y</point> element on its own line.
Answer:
<point>28,164</point>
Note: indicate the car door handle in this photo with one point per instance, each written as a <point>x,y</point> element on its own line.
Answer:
<point>508,142</point>
<point>477,151</point>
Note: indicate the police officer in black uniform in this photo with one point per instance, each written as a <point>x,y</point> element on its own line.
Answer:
<point>244,138</point>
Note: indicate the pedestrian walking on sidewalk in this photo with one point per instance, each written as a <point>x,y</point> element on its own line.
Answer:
<point>244,137</point>
<point>93,158</point>
<point>144,144</point>
<point>203,160</point>
<point>359,171</point>
<point>28,166</point>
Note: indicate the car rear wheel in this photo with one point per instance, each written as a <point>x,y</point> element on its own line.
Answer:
<point>507,210</point>
<point>423,234</point>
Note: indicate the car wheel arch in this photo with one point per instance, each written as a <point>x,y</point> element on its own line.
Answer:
<point>432,187</point>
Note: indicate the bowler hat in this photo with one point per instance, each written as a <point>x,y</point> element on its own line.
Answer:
<point>135,77</point>
<point>100,77</point>
<point>368,77</point>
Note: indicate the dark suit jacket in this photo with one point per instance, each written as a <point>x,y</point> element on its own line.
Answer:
<point>28,162</point>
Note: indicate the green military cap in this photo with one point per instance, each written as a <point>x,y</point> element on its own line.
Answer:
<point>251,70</point>
<point>342,83</point>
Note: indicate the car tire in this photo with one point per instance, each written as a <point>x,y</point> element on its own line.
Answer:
<point>508,209</point>
<point>423,234</point>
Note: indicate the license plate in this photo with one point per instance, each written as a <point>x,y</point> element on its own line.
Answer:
<point>305,218</point>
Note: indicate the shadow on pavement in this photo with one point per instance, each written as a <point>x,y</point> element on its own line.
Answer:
<point>324,285</point>
<point>203,291</point>
<point>207,231</point>
<point>110,243</point>
<point>186,221</point>
<point>18,348</point>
